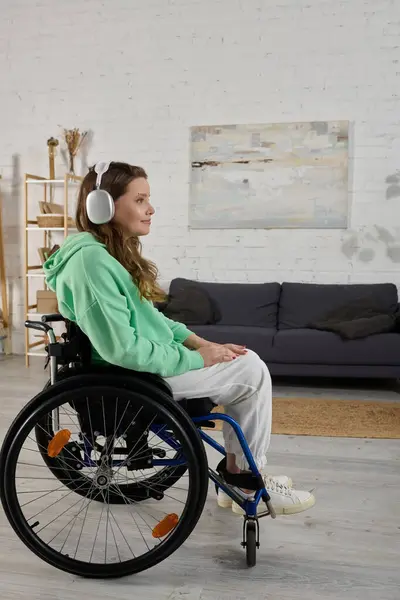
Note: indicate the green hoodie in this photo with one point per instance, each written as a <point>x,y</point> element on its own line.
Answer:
<point>95,291</point>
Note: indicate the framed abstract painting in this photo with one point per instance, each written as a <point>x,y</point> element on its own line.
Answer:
<point>278,175</point>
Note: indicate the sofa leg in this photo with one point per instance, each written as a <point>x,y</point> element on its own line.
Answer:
<point>396,385</point>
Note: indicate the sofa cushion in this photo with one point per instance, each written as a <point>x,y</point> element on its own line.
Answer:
<point>309,346</point>
<point>258,339</point>
<point>247,304</point>
<point>303,303</point>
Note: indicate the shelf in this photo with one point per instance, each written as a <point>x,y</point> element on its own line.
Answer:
<point>32,228</point>
<point>45,181</point>
<point>42,354</point>
<point>35,275</point>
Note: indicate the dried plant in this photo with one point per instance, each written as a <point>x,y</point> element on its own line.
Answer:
<point>73,138</point>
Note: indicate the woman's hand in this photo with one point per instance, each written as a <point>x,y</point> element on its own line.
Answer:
<point>215,353</point>
<point>239,350</point>
<point>194,342</point>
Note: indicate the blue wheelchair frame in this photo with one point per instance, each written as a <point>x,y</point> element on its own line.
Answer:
<point>249,506</point>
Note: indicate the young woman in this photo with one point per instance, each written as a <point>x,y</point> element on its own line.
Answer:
<point>104,284</point>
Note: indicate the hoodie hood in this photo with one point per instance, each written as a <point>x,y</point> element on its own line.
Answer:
<point>57,261</point>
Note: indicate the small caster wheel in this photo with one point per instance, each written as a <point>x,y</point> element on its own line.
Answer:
<point>251,544</point>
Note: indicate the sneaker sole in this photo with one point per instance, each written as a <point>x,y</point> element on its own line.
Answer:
<point>281,510</point>
<point>224,503</point>
<point>228,503</point>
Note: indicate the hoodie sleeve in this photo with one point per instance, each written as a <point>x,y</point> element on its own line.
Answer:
<point>107,323</point>
<point>180,331</point>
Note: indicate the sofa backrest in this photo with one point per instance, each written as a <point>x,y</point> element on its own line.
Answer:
<point>302,303</point>
<point>247,304</point>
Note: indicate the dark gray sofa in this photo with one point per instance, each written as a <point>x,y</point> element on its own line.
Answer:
<point>273,320</point>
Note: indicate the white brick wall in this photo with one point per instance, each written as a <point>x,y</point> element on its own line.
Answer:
<point>139,74</point>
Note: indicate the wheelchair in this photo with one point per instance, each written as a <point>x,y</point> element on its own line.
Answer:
<point>104,474</point>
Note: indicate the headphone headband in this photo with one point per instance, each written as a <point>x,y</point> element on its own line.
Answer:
<point>101,168</point>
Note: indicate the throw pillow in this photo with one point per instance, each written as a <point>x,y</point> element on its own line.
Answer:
<point>360,328</point>
<point>357,319</point>
<point>191,305</point>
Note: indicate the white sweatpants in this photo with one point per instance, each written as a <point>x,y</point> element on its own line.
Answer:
<point>243,387</point>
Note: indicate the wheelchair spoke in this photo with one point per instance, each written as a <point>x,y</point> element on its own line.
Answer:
<point>135,506</point>
<point>115,541</point>
<point>43,496</point>
<point>122,533</point>
<point>138,505</point>
<point>109,512</point>
<point>78,513</point>
<point>73,520</point>
<point>83,525</point>
<point>36,491</point>
<point>107,502</point>
<point>150,487</point>
<point>41,478</point>
<point>130,455</point>
<point>64,468</point>
<point>97,531</point>
<point>121,419</point>
<point>65,449</point>
<point>58,516</point>
<point>140,531</point>
<point>53,504</point>
<point>139,482</point>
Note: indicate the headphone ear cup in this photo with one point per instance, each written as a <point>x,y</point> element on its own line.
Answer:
<point>100,207</point>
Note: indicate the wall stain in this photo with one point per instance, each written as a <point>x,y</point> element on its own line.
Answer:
<point>393,189</point>
<point>359,245</point>
<point>350,246</point>
<point>393,253</point>
<point>384,235</point>
<point>366,255</point>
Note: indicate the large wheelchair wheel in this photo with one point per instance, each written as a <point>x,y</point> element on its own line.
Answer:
<point>101,539</point>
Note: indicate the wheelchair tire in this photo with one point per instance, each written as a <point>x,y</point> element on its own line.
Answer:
<point>192,448</point>
<point>251,544</point>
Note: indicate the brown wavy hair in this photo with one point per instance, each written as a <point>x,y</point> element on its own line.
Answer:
<point>127,251</point>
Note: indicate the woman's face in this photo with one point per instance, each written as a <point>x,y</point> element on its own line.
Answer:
<point>133,210</point>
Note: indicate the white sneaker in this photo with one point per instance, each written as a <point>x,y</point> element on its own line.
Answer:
<point>285,500</point>
<point>225,501</point>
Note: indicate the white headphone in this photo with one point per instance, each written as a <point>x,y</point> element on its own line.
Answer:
<point>99,203</point>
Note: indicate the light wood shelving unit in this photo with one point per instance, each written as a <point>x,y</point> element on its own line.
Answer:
<point>32,241</point>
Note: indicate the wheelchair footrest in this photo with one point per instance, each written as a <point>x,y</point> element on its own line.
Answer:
<point>246,481</point>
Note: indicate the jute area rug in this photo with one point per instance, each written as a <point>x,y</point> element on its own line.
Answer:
<point>333,418</point>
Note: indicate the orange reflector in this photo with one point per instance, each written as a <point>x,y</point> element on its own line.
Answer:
<point>58,442</point>
<point>166,525</point>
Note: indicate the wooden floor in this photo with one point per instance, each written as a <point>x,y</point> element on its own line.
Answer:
<point>347,547</point>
